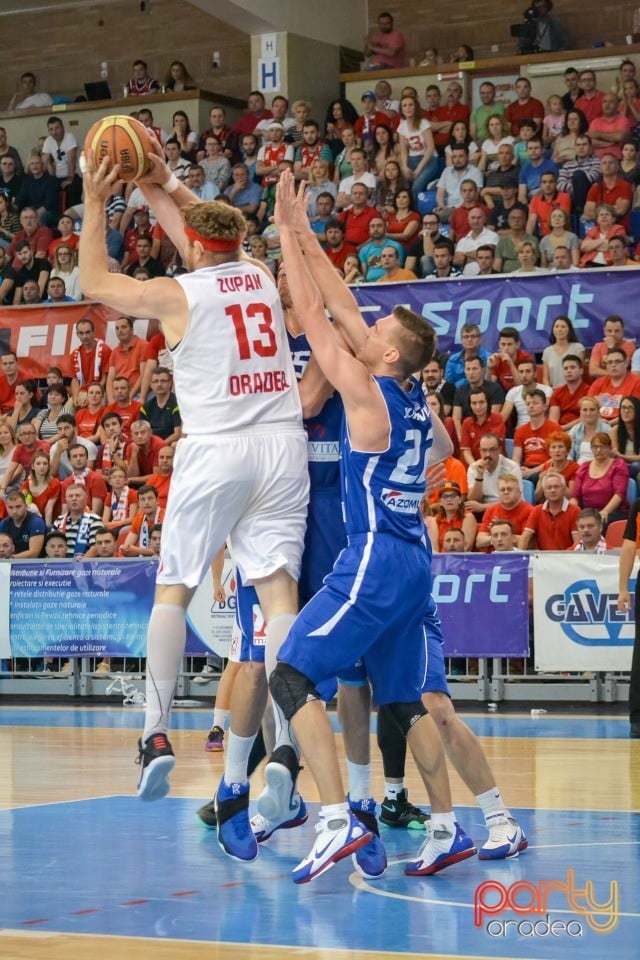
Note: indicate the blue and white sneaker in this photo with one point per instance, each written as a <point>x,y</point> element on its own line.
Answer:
<point>506,840</point>
<point>338,837</point>
<point>263,828</point>
<point>278,801</point>
<point>371,860</point>
<point>441,849</point>
<point>156,761</point>
<point>235,836</point>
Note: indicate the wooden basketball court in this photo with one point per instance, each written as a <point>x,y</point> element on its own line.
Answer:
<point>89,871</point>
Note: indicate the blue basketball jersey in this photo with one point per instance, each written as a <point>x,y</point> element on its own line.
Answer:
<point>382,491</point>
<point>323,431</point>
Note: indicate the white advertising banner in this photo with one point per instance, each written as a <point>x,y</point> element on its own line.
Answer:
<point>577,624</point>
<point>211,620</point>
<point>5,576</point>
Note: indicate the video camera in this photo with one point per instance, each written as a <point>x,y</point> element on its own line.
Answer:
<point>526,32</point>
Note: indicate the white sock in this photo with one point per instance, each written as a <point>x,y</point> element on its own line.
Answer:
<point>359,780</point>
<point>391,790</point>
<point>166,638</point>
<point>236,758</point>
<point>491,804</point>
<point>334,810</point>
<point>443,821</point>
<point>220,718</point>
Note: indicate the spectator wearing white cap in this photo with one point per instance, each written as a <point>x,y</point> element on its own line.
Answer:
<point>273,152</point>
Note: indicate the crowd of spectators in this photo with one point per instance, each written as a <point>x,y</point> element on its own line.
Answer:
<point>524,187</point>
<point>92,451</point>
<point>521,187</point>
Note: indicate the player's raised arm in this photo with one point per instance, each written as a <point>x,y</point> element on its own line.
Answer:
<point>162,297</point>
<point>166,196</point>
<point>347,374</point>
<point>340,302</point>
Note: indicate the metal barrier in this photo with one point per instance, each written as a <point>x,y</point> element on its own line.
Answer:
<point>470,680</point>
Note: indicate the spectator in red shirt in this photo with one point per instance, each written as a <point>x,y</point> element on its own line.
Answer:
<point>122,501</point>
<point>337,250</point>
<point>554,522</point>
<point>113,449</point>
<point>543,204</point>
<point>22,456</point>
<point>257,111</point>
<point>9,377</point>
<point>613,336</point>
<point>127,409</point>
<point>357,217</point>
<point>503,365</point>
<point>450,514</point>
<point>591,100</point>
<point>136,543</point>
<point>130,359</point>
<point>90,361</point>
<point>459,220</point>
<point>564,405</point>
<point>161,479</point>
<point>142,453</point>
<point>525,107</point>
<point>559,447</point>
<point>370,118</point>
<point>610,390</point>
<point>481,422</point>
<point>530,440</point>
<point>611,189</point>
<point>609,131</point>
<point>91,480</point>
<point>510,506</point>
<point>41,489</point>
<point>88,418</point>
<point>385,47</point>
<point>39,238</point>
<point>448,114</point>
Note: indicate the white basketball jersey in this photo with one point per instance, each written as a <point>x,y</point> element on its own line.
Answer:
<point>233,368</point>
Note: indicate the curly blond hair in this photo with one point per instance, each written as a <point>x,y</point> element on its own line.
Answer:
<point>215,221</point>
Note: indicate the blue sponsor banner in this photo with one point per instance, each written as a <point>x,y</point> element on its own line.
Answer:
<point>89,609</point>
<point>100,608</point>
<point>483,603</point>
<point>528,303</point>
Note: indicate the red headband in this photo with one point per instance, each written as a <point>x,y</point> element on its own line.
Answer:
<point>217,246</point>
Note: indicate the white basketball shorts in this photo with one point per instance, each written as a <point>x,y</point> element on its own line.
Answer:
<point>249,488</point>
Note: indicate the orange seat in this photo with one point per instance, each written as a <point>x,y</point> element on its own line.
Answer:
<point>614,533</point>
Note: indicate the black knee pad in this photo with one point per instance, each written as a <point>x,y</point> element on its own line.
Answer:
<point>291,689</point>
<point>404,715</point>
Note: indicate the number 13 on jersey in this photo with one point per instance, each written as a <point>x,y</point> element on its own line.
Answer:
<point>253,325</point>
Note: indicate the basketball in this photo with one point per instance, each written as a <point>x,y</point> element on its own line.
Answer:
<point>125,141</point>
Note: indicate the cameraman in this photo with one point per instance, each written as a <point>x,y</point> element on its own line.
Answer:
<point>550,35</point>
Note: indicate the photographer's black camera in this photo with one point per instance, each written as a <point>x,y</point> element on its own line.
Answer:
<point>526,32</point>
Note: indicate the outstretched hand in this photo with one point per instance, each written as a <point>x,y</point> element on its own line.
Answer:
<point>291,207</point>
<point>99,183</point>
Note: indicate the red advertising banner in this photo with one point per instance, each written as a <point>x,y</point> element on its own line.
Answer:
<point>44,336</point>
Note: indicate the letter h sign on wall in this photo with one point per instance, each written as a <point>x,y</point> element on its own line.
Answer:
<point>269,64</point>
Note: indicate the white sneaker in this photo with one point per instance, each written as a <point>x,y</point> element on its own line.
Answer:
<point>441,849</point>
<point>206,674</point>
<point>506,840</point>
<point>337,838</point>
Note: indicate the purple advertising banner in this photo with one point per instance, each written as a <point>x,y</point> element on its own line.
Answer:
<point>483,603</point>
<point>528,303</point>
